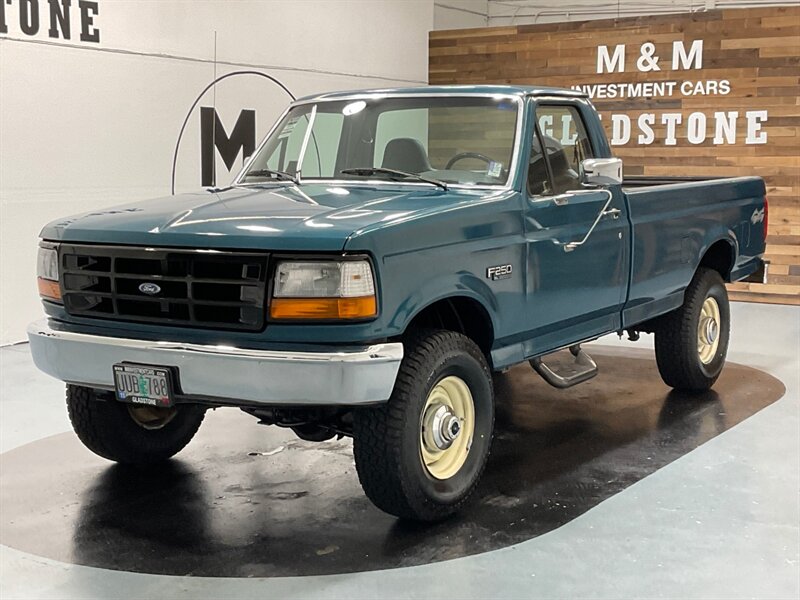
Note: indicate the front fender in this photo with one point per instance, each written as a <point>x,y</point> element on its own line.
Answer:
<point>463,284</point>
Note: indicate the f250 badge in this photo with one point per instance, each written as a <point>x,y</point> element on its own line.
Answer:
<point>499,272</point>
<point>757,216</point>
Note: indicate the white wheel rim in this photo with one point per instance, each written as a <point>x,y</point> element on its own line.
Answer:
<point>708,331</point>
<point>449,407</point>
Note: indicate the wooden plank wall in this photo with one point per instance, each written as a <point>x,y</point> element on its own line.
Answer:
<point>451,131</point>
<point>756,50</point>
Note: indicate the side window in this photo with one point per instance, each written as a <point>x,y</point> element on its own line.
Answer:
<point>566,144</point>
<point>538,178</point>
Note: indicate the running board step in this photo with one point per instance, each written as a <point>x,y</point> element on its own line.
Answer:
<point>582,369</point>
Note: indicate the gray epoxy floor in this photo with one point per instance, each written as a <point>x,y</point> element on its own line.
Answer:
<point>719,522</point>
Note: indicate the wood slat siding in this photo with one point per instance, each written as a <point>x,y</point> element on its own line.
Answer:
<point>756,49</point>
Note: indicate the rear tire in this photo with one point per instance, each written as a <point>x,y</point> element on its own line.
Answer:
<point>420,455</point>
<point>692,341</point>
<point>129,434</point>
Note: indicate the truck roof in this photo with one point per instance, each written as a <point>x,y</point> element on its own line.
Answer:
<point>478,90</point>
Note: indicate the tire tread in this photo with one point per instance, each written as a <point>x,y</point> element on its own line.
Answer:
<point>675,337</point>
<point>378,432</point>
<point>102,427</point>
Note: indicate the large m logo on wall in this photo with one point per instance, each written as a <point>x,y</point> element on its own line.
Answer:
<point>214,137</point>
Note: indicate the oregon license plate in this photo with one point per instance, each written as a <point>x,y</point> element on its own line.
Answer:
<point>142,384</point>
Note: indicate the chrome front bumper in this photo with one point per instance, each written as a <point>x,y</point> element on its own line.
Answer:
<point>340,376</point>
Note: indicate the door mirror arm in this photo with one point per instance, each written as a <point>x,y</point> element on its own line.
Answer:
<point>604,212</point>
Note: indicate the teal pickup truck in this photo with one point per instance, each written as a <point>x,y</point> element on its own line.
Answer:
<point>381,254</point>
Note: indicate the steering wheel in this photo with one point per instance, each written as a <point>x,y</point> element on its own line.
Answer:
<point>463,155</point>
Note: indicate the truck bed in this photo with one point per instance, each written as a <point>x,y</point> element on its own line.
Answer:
<point>676,220</point>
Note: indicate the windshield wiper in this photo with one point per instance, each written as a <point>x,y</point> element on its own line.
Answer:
<point>397,175</point>
<point>283,175</point>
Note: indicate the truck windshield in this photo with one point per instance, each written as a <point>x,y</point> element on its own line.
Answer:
<point>456,140</point>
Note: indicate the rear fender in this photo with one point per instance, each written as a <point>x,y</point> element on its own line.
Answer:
<point>723,235</point>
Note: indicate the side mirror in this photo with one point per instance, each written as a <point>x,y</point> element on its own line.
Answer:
<point>601,171</point>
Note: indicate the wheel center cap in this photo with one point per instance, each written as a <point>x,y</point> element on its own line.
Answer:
<point>451,428</point>
<point>710,330</point>
<point>442,427</point>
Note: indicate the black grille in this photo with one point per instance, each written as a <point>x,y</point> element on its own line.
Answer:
<point>213,289</point>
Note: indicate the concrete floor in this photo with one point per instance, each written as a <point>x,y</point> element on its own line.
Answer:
<point>719,521</point>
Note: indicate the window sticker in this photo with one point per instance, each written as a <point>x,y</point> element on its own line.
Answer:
<point>289,128</point>
<point>495,169</point>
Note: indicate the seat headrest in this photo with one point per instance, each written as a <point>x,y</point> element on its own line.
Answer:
<point>406,154</point>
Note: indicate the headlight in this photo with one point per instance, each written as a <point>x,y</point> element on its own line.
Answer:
<point>323,290</point>
<point>47,272</point>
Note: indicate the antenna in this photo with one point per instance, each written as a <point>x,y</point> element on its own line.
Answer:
<point>214,126</point>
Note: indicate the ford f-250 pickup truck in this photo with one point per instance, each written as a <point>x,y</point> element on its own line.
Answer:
<point>376,260</point>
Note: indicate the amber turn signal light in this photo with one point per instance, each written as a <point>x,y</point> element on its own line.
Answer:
<point>323,308</point>
<point>48,289</point>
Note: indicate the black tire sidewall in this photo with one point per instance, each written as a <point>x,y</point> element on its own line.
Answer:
<point>476,376</point>
<point>714,289</point>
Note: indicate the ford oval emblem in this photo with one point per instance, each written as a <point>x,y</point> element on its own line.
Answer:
<point>151,289</point>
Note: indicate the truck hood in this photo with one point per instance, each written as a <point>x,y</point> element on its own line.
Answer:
<point>271,217</point>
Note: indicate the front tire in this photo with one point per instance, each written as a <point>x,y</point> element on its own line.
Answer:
<point>129,434</point>
<point>420,455</point>
<point>692,341</point>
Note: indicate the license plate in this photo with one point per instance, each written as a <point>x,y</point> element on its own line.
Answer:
<point>142,384</point>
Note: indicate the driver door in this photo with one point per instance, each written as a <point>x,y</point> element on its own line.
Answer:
<point>576,279</point>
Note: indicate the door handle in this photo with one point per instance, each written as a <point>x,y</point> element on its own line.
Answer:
<point>614,213</point>
<point>561,199</point>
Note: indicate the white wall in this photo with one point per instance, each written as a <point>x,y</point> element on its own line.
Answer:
<point>460,14</point>
<point>86,125</point>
